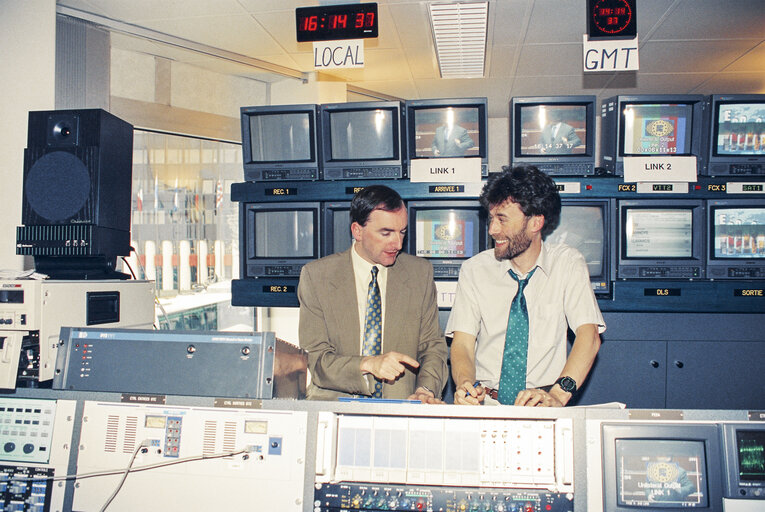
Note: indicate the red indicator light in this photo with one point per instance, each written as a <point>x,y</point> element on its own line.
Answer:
<point>548,507</point>
<point>588,187</point>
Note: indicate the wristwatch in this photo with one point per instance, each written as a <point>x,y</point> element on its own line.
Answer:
<point>567,384</point>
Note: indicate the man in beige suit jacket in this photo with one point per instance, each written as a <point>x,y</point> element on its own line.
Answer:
<point>412,363</point>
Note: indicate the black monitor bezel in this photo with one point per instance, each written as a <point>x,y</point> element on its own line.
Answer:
<point>718,262</point>
<point>518,103</point>
<point>247,239</point>
<point>328,109</point>
<point>713,158</point>
<point>707,433</point>
<point>733,485</point>
<point>246,113</point>
<point>410,115</point>
<point>602,285</point>
<point>612,118</point>
<point>328,211</point>
<point>414,206</point>
<point>698,253</point>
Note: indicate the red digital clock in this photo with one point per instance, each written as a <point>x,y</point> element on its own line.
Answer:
<point>331,22</point>
<point>611,19</point>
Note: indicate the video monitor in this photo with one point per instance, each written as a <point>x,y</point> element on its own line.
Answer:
<point>280,143</point>
<point>744,445</point>
<point>554,133</point>
<point>736,239</point>
<point>362,140</point>
<point>446,233</point>
<point>586,225</point>
<point>650,125</point>
<point>736,135</point>
<point>279,238</point>
<point>661,239</point>
<point>337,227</point>
<point>661,467</point>
<point>448,128</point>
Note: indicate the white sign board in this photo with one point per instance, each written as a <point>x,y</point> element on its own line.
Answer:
<point>446,291</point>
<point>445,170</point>
<point>659,169</point>
<point>338,54</point>
<point>610,55</point>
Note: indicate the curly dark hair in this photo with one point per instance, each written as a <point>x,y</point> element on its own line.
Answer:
<point>374,197</point>
<point>533,190</point>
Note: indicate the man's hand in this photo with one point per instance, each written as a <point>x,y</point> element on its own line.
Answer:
<point>425,396</point>
<point>467,394</point>
<point>536,398</point>
<point>389,366</point>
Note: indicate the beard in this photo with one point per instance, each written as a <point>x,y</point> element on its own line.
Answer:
<point>515,245</point>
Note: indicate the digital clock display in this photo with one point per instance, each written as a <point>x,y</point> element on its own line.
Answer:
<point>334,22</point>
<point>612,18</point>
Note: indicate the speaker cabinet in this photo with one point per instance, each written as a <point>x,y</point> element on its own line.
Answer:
<point>77,184</point>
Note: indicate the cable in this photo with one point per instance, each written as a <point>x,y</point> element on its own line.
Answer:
<point>156,465</point>
<point>144,444</point>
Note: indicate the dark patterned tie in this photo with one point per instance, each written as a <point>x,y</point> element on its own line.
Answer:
<point>373,326</point>
<point>512,378</point>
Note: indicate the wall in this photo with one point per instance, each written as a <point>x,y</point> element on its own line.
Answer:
<point>28,42</point>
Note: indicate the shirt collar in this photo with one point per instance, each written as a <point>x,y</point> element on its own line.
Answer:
<point>543,263</point>
<point>363,267</point>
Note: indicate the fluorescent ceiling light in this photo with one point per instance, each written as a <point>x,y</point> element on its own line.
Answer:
<point>459,34</point>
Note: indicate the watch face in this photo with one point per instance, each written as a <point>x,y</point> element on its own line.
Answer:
<point>567,384</point>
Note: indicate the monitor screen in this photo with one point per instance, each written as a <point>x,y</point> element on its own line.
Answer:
<point>661,473</point>
<point>366,134</point>
<point>740,129</point>
<point>738,232</point>
<point>441,132</point>
<point>281,137</point>
<point>553,129</point>
<point>583,228</point>
<point>658,233</point>
<point>750,445</point>
<point>656,129</point>
<point>285,233</point>
<point>447,233</point>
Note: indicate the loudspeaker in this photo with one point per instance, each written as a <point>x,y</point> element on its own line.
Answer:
<point>77,185</point>
<point>78,169</point>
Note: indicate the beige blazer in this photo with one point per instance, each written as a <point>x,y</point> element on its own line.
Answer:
<point>330,332</point>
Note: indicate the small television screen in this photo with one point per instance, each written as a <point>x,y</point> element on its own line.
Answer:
<point>750,445</point>
<point>736,239</point>
<point>337,227</point>
<point>740,128</point>
<point>447,233</point>
<point>553,130</point>
<point>650,125</point>
<point>362,140</point>
<point>661,473</point>
<point>284,137</point>
<point>554,133</point>
<point>447,128</point>
<point>284,233</point>
<point>279,237</point>
<point>661,467</point>
<point>280,142</point>
<point>658,233</point>
<point>586,226</point>
<point>362,134</point>
<point>744,466</point>
<point>656,129</point>
<point>661,239</point>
